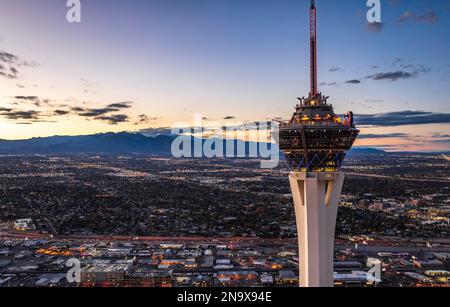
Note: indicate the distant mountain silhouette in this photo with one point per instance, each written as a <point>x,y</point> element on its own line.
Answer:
<point>106,143</point>
<point>114,143</point>
<point>367,151</point>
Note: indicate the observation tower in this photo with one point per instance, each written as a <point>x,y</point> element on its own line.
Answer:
<point>315,142</point>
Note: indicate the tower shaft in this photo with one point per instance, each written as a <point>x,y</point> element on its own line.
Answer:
<point>313,48</point>
<point>316,197</point>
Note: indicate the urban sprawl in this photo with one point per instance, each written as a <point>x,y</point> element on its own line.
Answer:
<point>152,221</point>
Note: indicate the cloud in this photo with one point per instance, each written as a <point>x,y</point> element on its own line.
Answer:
<point>383,136</point>
<point>89,86</point>
<point>408,63</point>
<point>440,136</point>
<point>105,114</point>
<point>60,112</point>
<point>209,130</point>
<point>354,81</point>
<point>156,131</point>
<point>427,17</point>
<point>404,63</point>
<point>114,119</point>
<point>408,70</point>
<point>34,100</point>
<point>374,27</point>
<point>393,76</point>
<point>51,109</point>
<point>335,69</point>
<point>374,100</point>
<point>77,109</point>
<point>405,16</point>
<point>9,64</point>
<point>144,119</point>
<point>96,112</point>
<point>8,75</point>
<point>328,84</point>
<point>443,141</point>
<point>402,118</point>
<point>121,105</point>
<point>20,115</point>
<point>6,57</point>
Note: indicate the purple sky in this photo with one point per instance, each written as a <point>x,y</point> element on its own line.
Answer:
<point>133,65</point>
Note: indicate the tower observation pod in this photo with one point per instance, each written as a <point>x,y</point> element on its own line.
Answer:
<point>315,142</point>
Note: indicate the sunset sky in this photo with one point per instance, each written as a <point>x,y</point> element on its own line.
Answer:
<point>144,65</point>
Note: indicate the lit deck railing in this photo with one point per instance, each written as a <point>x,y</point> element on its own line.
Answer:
<point>334,122</point>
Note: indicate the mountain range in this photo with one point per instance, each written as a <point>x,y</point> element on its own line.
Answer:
<point>111,143</point>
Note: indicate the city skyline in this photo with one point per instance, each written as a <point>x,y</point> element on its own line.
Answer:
<point>144,67</point>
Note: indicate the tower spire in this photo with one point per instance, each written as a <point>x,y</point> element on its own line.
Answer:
<point>313,48</point>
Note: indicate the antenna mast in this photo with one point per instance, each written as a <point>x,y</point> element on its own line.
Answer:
<point>313,48</point>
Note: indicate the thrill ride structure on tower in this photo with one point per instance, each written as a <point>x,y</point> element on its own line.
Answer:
<point>316,139</point>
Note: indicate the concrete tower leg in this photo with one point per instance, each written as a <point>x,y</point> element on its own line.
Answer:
<point>316,197</point>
